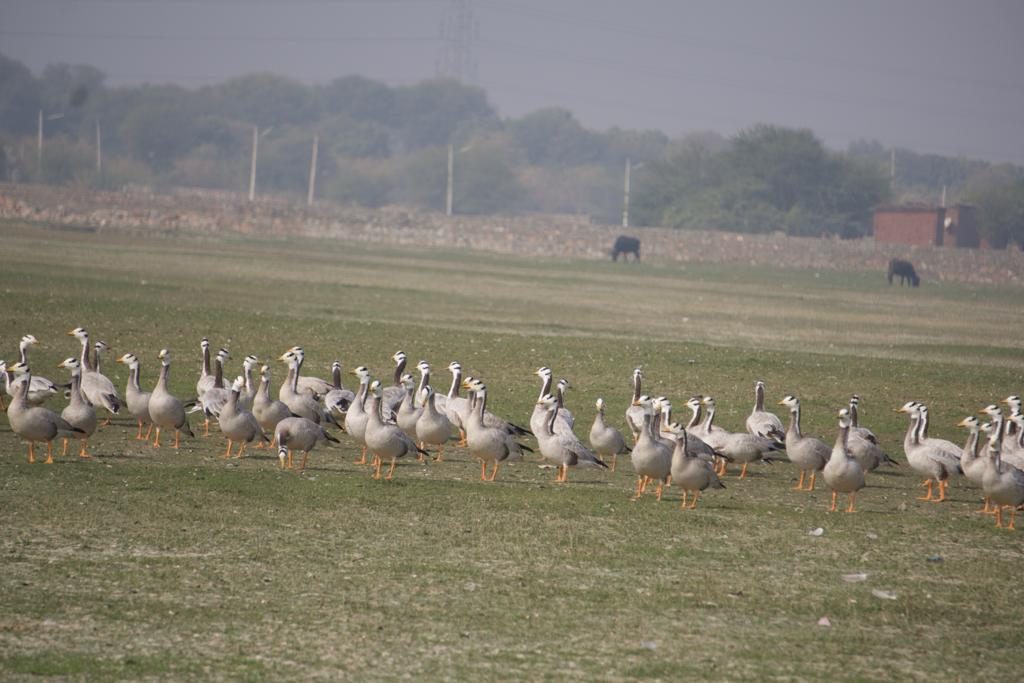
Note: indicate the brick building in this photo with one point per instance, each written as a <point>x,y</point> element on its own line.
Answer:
<point>920,225</point>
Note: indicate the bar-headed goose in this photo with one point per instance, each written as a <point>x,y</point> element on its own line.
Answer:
<point>136,399</point>
<point>166,410</point>
<point>689,473</point>
<point>298,433</point>
<point>562,448</point>
<point>97,388</point>
<point>606,440</point>
<point>237,423</point>
<point>79,413</point>
<point>842,473</point>
<point>806,452</point>
<point>761,422</point>
<point>35,423</point>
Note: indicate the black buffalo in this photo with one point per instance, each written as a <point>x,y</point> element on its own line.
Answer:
<point>626,245</point>
<point>905,271</point>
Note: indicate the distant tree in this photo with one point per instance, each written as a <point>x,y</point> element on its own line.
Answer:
<point>69,90</point>
<point>360,99</point>
<point>998,193</point>
<point>421,178</point>
<point>485,179</point>
<point>284,165</point>
<point>553,137</point>
<point>262,99</point>
<point>161,127</point>
<point>640,146</point>
<point>431,112</point>
<point>355,139</point>
<point>19,97</point>
<point>361,181</point>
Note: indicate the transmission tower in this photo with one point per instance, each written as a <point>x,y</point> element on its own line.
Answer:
<point>459,33</point>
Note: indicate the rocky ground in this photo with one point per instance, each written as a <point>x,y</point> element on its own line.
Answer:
<point>544,235</point>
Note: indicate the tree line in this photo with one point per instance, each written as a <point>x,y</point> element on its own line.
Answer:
<point>381,144</point>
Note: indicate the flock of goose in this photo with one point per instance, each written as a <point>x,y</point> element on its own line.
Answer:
<point>407,417</point>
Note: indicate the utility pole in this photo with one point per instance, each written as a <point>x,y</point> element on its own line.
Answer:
<point>625,194</point>
<point>892,167</point>
<point>252,164</point>
<point>449,194</point>
<point>39,147</point>
<point>312,171</point>
<point>626,190</point>
<point>99,150</point>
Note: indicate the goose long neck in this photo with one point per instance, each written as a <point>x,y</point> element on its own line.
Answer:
<point>844,433</point>
<point>911,438</point>
<point>76,386</point>
<point>424,376</point>
<point>23,353</point>
<point>971,448</point>
<point>336,376</point>
<point>759,397</point>
<point>218,375</point>
<point>206,361</point>
<point>922,430</point>
<point>694,418</point>
<point>399,370</point>
<point>636,387</point>
<point>133,377</point>
<point>854,419</point>
<point>264,389</point>
<point>794,420</point>
<point>545,386</point>
<point>552,416</point>
<point>709,418</point>
<point>453,392</point>
<point>86,358</point>
<point>165,372</point>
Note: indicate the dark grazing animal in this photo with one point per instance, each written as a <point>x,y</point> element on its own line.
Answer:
<point>905,271</point>
<point>626,245</point>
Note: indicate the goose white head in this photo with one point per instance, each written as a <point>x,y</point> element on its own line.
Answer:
<point>423,366</point>
<point>790,401</point>
<point>362,372</point>
<point>844,418</point>
<point>18,368</point>
<point>694,403</point>
<point>563,385</point>
<point>80,332</point>
<point>129,359</point>
<point>164,356</point>
<point>71,364</point>
<point>543,371</point>
<point>548,401</point>
<point>101,346</point>
<point>223,355</point>
<point>376,389</point>
<point>250,361</point>
<point>992,410</point>
<point>204,343</point>
<point>708,401</point>
<point>454,367</point>
<point>643,400</point>
<point>237,385</point>
<point>265,371</point>
<point>971,422</point>
<point>408,381</point>
<point>1013,401</point>
<point>599,403</point>
<point>910,407</point>
<point>288,356</point>
<point>399,357</point>
<point>28,340</point>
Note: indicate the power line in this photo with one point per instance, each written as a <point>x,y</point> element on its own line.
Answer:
<point>701,42</point>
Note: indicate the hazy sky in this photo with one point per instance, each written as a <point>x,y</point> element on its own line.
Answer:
<point>936,76</point>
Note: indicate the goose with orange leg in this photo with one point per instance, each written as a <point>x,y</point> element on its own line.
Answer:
<point>79,413</point>
<point>842,473</point>
<point>35,423</point>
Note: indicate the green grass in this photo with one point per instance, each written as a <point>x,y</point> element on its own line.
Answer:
<point>179,565</point>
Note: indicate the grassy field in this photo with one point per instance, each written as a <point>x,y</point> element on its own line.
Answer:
<point>145,563</point>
